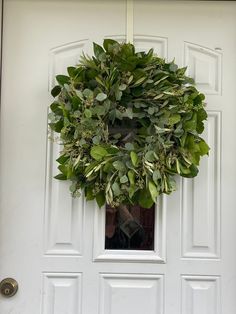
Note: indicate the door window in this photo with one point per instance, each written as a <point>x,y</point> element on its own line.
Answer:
<point>130,228</point>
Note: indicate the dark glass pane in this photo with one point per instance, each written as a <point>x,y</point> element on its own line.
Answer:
<point>129,228</point>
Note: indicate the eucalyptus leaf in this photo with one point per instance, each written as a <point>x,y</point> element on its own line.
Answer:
<point>56,91</point>
<point>119,165</point>
<point>71,71</point>
<point>96,139</point>
<point>87,113</point>
<point>88,93</point>
<point>101,97</point>
<point>134,158</point>
<point>139,81</point>
<point>131,176</point>
<point>153,190</point>
<point>97,50</point>
<point>156,176</point>
<point>118,94</point>
<point>124,179</point>
<point>98,152</point>
<point>145,200</point>
<point>129,146</point>
<point>150,156</point>
<point>116,189</point>
<point>62,159</point>
<point>151,110</point>
<point>108,42</point>
<point>129,113</point>
<point>73,187</point>
<point>122,87</point>
<point>204,148</point>
<point>63,79</point>
<point>173,67</point>
<point>100,198</point>
<point>61,176</point>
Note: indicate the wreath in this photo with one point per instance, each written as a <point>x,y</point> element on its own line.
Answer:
<point>129,122</point>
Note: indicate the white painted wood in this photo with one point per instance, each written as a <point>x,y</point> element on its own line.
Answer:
<point>201,200</point>
<point>63,293</point>
<point>64,215</point>
<point>204,65</point>
<point>201,294</point>
<point>53,245</point>
<point>144,43</point>
<point>123,293</point>
<point>130,21</point>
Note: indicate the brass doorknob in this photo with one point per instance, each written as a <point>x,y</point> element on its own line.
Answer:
<point>8,287</point>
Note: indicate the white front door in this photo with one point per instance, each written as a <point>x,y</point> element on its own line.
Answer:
<point>53,245</point>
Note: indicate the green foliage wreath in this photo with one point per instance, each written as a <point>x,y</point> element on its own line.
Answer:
<point>128,122</point>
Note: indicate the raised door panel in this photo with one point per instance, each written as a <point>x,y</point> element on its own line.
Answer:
<point>204,65</point>
<point>200,295</point>
<point>62,293</point>
<point>131,294</point>
<point>64,214</point>
<point>201,200</point>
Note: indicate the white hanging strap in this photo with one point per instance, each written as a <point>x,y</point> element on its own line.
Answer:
<point>130,21</point>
